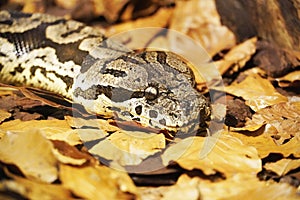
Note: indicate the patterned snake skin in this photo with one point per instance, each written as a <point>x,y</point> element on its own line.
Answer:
<point>154,88</point>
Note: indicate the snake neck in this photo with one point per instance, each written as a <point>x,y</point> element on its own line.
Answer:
<point>48,52</point>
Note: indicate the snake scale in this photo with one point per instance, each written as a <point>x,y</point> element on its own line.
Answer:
<point>154,88</point>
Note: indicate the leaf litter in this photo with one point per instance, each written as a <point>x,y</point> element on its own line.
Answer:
<point>43,149</point>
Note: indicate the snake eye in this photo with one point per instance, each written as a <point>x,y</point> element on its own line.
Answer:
<point>151,93</point>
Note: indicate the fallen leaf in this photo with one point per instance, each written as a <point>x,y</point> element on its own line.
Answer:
<point>283,166</point>
<point>240,186</point>
<point>109,9</point>
<point>68,154</point>
<point>32,153</point>
<point>97,182</point>
<point>102,124</point>
<point>160,19</point>
<point>282,121</point>
<point>244,186</point>
<point>266,145</point>
<point>258,92</point>
<point>52,129</point>
<point>205,27</point>
<point>34,190</point>
<point>229,156</point>
<point>4,115</point>
<point>6,89</point>
<point>128,147</point>
<point>289,79</point>
<point>237,57</point>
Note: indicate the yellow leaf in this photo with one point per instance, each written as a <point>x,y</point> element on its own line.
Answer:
<point>228,156</point>
<point>258,92</point>
<point>283,166</point>
<point>265,145</point>
<point>282,121</point>
<point>52,129</point>
<point>237,56</point>
<point>35,190</point>
<point>204,27</point>
<point>288,79</point>
<point>246,187</point>
<point>4,115</point>
<point>240,186</point>
<point>97,182</point>
<point>31,153</point>
<point>128,147</point>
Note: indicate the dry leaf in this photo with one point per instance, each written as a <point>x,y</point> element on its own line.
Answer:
<point>237,57</point>
<point>31,153</point>
<point>282,120</point>
<point>68,160</point>
<point>6,90</point>
<point>265,145</point>
<point>80,123</point>
<point>71,4</point>
<point>228,156</point>
<point>128,147</point>
<point>4,115</point>
<point>68,154</point>
<point>160,19</point>
<point>283,166</point>
<point>244,186</point>
<point>34,190</point>
<point>258,92</point>
<point>52,129</point>
<point>289,79</point>
<point>185,188</point>
<point>240,186</point>
<point>97,182</point>
<point>204,27</point>
<point>109,9</point>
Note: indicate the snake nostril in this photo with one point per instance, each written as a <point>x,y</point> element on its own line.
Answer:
<point>139,109</point>
<point>163,122</point>
<point>153,114</point>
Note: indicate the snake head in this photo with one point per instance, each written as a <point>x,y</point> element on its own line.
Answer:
<point>154,88</point>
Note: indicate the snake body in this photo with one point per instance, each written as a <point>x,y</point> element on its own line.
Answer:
<point>154,88</point>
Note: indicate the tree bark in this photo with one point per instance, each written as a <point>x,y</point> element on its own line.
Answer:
<point>277,21</point>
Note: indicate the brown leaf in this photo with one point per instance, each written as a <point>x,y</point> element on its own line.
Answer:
<point>6,90</point>
<point>109,9</point>
<point>258,92</point>
<point>68,154</point>
<point>31,153</point>
<point>97,182</point>
<point>228,156</point>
